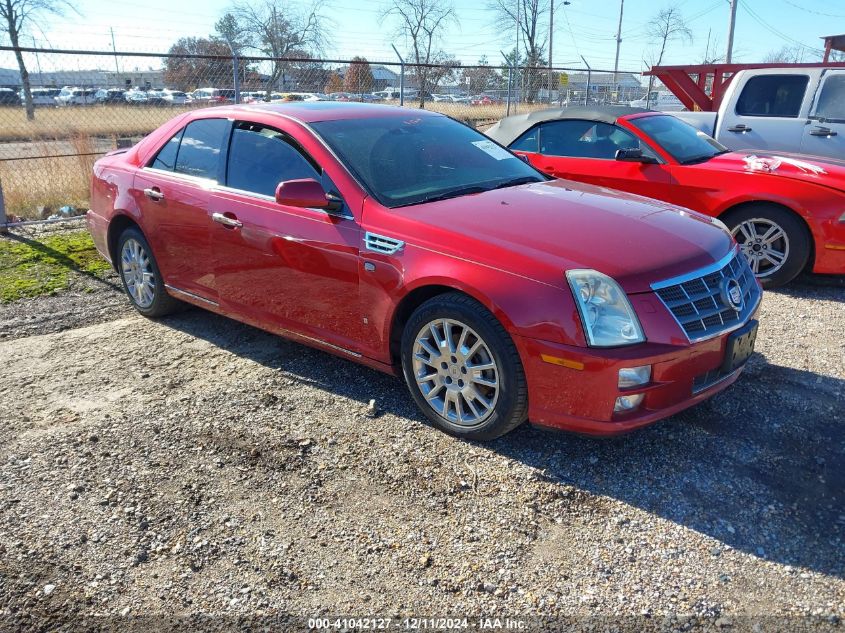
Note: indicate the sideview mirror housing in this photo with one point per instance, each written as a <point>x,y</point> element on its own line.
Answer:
<point>633,155</point>
<point>305,192</point>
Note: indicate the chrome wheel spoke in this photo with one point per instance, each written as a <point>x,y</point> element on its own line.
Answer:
<point>764,243</point>
<point>455,371</point>
<point>137,271</point>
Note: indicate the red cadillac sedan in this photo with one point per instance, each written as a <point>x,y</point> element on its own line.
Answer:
<point>409,242</point>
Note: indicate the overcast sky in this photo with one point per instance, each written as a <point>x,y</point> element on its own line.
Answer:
<point>585,27</point>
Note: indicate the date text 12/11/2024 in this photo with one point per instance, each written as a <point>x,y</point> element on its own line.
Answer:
<point>418,624</point>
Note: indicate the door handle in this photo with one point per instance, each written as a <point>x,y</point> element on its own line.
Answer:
<point>154,193</point>
<point>823,131</point>
<point>225,220</point>
<point>742,128</point>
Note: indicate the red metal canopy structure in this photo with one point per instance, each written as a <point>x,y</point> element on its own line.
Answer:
<point>833,43</point>
<point>701,87</point>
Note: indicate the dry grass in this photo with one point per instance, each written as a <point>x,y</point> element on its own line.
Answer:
<point>112,120</point>
<point>54,182</point>
<point>61,123</point>
<point>48,182</point>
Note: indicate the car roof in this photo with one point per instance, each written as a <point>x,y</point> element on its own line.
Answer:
<point>313,111</point>
<point>510,128</point>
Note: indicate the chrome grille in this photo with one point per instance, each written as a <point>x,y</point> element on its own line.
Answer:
<point>695,299</point>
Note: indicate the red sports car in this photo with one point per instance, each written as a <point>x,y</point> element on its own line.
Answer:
<point>406,241</point>
<point>786,211</point>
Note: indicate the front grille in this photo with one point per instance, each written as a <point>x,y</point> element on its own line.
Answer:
<point>696,302</point>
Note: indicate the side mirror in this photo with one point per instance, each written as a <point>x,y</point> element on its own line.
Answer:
<point>305,192</point>
<point>633,155</point>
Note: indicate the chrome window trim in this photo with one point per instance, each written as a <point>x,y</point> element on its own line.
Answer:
<point>206,183</point>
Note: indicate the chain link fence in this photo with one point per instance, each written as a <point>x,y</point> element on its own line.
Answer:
<point>81,104</point>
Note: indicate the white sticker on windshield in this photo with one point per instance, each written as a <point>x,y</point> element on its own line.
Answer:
<point>493,150</point>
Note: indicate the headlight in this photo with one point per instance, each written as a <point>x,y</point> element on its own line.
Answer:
<point>607,315</point>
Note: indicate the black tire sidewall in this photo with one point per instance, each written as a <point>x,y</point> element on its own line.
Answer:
<point>799,239</point>
<point>511,406</point>
<point>162,303</point>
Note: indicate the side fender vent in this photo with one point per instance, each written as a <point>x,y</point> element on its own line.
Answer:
<point>382,244</point>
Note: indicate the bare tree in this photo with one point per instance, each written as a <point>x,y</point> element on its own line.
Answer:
<point>17,15</point>
<point>278,29</point>
<point>531,34</point>
<point>786,55</point>
<point>665,27</point>
<point>423,22</point>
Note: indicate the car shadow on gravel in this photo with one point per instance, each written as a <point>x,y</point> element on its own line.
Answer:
<point>760,467</point>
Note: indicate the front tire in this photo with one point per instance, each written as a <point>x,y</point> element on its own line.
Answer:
<point>463,369</point>
<point>774,240</point>
<point>141,277</point>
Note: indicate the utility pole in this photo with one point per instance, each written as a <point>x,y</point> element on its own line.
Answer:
<point>731,32</point>
<point>618,40</point>
<point>551,37</point>
<point>516,53</point>
<point>114,49</point>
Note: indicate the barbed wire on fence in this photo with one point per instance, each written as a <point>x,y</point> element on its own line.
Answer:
<point>87,102</point>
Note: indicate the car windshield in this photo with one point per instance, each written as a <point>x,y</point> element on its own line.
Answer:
<point>686,144</point>
<point>414,159</point>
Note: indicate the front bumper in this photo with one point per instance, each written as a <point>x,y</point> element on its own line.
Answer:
<point>829,236</point>
<point>575,388</point>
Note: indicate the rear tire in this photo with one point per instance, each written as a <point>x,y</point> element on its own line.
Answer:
<point>463,369</point>
<point>773,239</point>
<point>141,277</point>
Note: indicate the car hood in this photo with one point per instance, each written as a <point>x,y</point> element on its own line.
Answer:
<point>563,225</point>
<point>827,172</point>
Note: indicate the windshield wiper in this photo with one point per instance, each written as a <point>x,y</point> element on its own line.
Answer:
<point>524,180</point>
<point>702,159</point>
<point>454,193</point>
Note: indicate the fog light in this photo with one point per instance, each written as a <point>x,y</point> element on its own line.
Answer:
<point>634,376</point>
<point>628,403</point>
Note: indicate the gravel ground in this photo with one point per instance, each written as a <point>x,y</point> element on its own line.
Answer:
<point>195,466</point>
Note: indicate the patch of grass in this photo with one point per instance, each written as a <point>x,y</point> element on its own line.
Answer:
<point>35,267</point>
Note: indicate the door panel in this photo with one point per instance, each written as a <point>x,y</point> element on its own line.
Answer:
<point>769,112</point>
<point>174,214</point>
<point>584,151</point>
<point>824,135</point>
<point>289,268</point>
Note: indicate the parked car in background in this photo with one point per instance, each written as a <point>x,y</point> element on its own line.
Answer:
<point>110,96</point>
<point>213,96</point>
<point>438,98</point>
<point>9,97</point>
<point>483,100</point>
<point>175,97</point>
<point>42,96</point>
<point>787,212</point>
<point>76,97</point>
<point>498,293</point>
<point>780,109</point>
<point>460,99</point>
<point>388,94</point>
<point>659,100</point>
<point>136,97</point>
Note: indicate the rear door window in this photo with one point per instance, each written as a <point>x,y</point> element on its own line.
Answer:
<point>201,148</point>
<point>831,103</point>
<point>166,157</point>
<point>772,96</point>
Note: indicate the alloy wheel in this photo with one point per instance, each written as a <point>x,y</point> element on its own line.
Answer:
<point>764,243</point>
<point>456,372</point>
<point>137,270</point>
